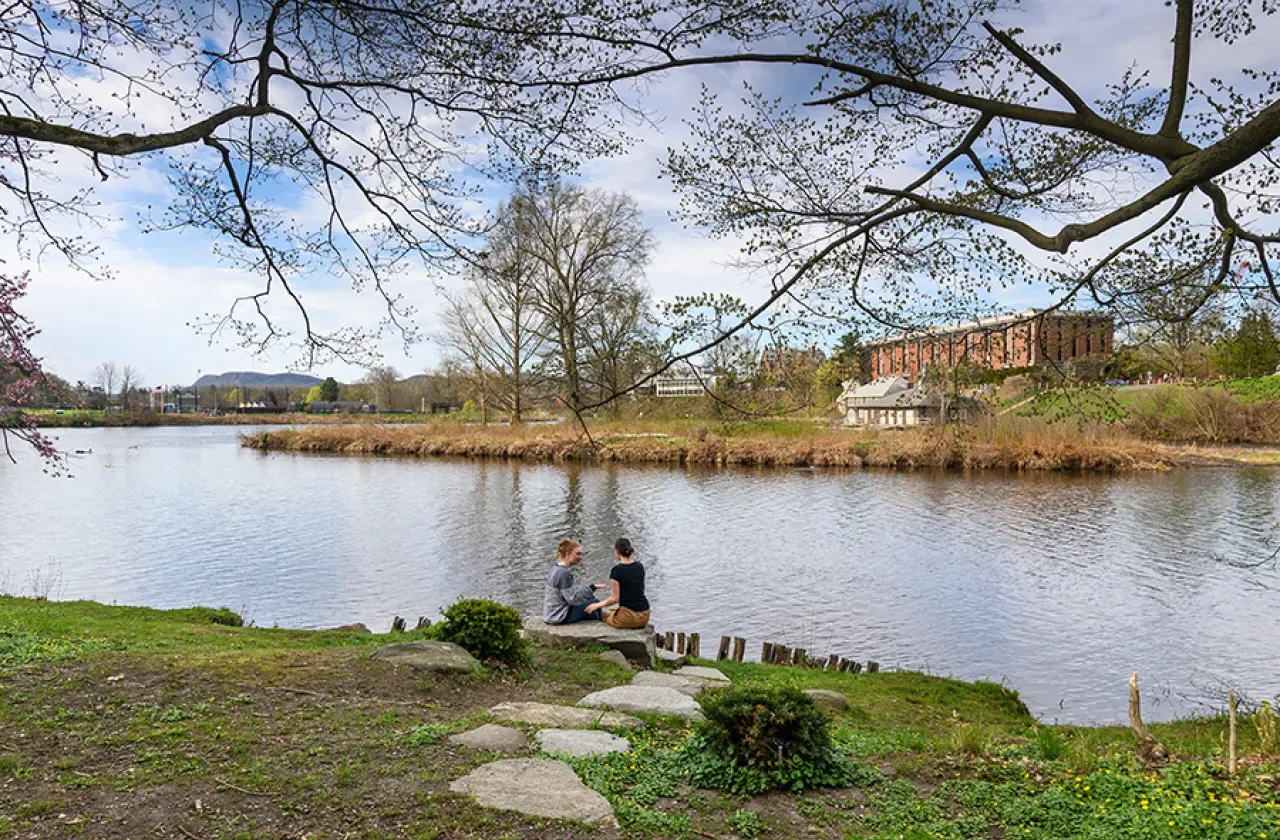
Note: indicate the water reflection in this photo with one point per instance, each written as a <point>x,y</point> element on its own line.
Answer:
<point>1058,585</point>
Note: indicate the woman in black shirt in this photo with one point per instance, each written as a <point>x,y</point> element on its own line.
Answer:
<point>627,581</point>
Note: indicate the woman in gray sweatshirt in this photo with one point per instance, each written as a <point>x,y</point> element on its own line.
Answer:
<point>563,602</point>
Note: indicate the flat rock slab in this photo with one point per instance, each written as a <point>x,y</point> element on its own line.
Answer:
<point>684,685</point>
<point>640,698</point>
<point>581,742</point>
<point>698,672</point>
<point>429,656</point>
<point>832,701</point>
<point>636,645</point>
<point>565,717</point>
<point>675,660</point>
<point>492,737</point>
<point>535,787</point>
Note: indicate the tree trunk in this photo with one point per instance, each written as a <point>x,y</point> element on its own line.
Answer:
<point>1150,750</point>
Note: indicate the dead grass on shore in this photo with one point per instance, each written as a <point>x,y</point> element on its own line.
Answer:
<point>1012,443</point>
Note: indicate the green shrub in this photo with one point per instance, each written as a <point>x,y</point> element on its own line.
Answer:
<point>221,615</point>
<point>755,739</point>
<point>488,631</point>
<point>746,823</point>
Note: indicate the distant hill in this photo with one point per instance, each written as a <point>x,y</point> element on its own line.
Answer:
<point>235,378</point>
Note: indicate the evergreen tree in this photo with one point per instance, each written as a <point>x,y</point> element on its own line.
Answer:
<point>1251,350</point>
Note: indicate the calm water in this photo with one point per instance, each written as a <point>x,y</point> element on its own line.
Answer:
<point>1059,586</point>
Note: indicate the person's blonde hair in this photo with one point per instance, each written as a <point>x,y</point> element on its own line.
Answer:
<point>562,550</point>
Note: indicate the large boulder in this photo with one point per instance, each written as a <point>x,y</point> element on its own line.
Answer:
<point>832,701</point>
<point>699,672</point>
<point>580,742</point>
<point>640,698</point>
<point>491,737</point>
<point>429,656</point>
<point>566,717</point>
<point>636,645</point>
<point>535,787</point>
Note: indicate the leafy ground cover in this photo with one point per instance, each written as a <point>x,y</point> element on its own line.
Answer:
<point>123,722</point>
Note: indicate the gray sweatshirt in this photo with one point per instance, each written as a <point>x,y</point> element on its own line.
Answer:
<point>561,594</point>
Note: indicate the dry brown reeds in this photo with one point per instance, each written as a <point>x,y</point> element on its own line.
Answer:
<point>1010,443</point>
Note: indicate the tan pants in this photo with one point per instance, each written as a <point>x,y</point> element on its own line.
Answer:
<point>625,619</point>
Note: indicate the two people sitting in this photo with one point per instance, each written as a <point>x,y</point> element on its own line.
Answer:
<point>626,607</point>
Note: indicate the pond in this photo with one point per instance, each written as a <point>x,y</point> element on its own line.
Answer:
<point>1057,585</point>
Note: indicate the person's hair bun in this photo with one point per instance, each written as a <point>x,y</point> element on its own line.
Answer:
<point>623,547</point>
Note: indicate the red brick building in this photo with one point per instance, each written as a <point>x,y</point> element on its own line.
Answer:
<point>1022,339</point>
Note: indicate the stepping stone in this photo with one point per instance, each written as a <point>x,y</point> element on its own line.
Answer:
<point>636,645</point>
<point>536,787</point>
<point>617,658</point>
<point>832,701</point>
<point>684,685</point>
<point>581,742</point>
<point>428,656</point>
<point>639,698</point>
<point>492,737</point>
<point>564,717</point>
<point>675,660</point>
<point>701,673</point>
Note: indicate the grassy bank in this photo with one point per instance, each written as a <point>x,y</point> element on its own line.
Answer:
<point>122,722</point>
<point>1000,443</point>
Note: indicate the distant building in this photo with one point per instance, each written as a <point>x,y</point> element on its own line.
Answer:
<point>1021,339</point>
<point>683,384</point>
<point>891,402</point>
<point>776,359</point>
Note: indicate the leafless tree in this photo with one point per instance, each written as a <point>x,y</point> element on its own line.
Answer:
<point>384,383</point>
<point>588,249</point>
<point>130,379</point>
<point>494,321</point>
<point>619,342</point>
<point>105,377</point>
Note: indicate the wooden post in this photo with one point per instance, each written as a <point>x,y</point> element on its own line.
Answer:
<point>680,643</point>
<point>1150,751</point>
<point>423,621</point>
<point>695,645</point>
<point>855,667</point>
<point>799,658</point>
<point>844,665</point>
<point>739,648</point>
<point>723,653</point>
<point>766,653</point>
<point>669,641</point>
<point>1231,737</point>
<point>397,625</point>
<point>833,662</point>
<point>873,667</point>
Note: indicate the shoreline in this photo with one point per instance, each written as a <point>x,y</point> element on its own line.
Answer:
<point>1036,448</point>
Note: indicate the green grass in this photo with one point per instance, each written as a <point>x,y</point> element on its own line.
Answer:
<point>102,705</point>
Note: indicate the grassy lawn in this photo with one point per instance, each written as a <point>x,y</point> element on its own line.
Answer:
<point>123,722</point>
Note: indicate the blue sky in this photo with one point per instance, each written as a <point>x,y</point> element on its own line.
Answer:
<point>164,282</point>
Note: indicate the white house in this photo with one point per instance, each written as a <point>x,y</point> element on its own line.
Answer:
<point>888,402</point>
<point>684,383</point>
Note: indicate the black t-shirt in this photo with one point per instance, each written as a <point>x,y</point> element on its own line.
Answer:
<point>630,578</point>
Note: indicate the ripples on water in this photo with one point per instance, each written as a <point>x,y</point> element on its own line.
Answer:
<point>1059,586</point>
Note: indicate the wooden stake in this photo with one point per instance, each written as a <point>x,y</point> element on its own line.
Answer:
<point>680,643</point>
<point>723,653</point>
<point>844,664</point>
<point>397,625</point>
<point>423,621</point>
<point>833,662</point>
<point>1150,750</point>
<point>695,645</point>
<point>856,667</point>
<point>799,658</point>
<point>766,653</point>
<point>1231,738</point>
<point>670,643</point>
<point>873,667</point>
<point>739,648</point>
